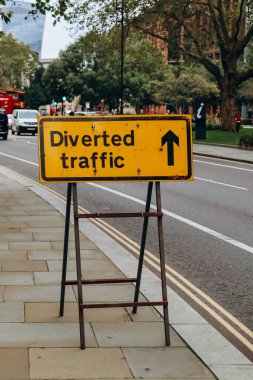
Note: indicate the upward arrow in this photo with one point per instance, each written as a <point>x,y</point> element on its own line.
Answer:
<point>170,138</point>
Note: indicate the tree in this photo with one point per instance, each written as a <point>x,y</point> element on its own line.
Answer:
<point>246,92</point>
<point>17,62</point>
<point>91,68</point>
<point>224,24</point>
<point>221,24</point>
<point>186,86</point>
<point>36,94</point>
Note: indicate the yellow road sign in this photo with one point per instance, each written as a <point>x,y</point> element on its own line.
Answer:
<point>115,148</point>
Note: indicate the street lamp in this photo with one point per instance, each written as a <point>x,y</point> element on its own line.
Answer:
<point>120,8</point>
<point>63,100</point>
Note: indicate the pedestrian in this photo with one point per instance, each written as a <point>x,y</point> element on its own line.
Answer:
<point>238,121</point>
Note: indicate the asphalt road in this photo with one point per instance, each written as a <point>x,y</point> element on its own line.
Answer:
<point>208,227</point>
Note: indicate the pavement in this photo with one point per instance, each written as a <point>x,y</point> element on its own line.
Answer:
<point>35,343</point>
<point>232,153</point>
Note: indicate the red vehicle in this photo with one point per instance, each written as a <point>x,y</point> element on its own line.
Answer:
<point>9,100</point>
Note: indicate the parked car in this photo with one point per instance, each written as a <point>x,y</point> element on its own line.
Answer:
<point>25,121</point>
<point>3,124</point>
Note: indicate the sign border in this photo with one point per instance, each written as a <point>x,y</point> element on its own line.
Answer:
<point>114,179</point>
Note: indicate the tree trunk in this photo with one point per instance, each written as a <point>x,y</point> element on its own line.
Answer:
<point>229,106</point>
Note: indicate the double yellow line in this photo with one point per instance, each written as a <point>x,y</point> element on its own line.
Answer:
<point>194,293</point>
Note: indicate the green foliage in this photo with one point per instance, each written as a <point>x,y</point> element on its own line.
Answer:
<point>246,92</point>
<point>246,121</point>
<point>213,126</point>
<point>246,140</point>
<point>91,68</point>
<point>185,86</point>
<point>17,62</point>
<point>35,93</point>
<point>224,138</point>
<point>214,34</point>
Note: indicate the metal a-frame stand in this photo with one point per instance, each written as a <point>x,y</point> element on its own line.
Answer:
<point>72,187</point>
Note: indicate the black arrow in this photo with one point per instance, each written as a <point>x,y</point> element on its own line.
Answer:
<point>170,138</point>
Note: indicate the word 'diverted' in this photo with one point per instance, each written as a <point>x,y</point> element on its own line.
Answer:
<point>102,159</point>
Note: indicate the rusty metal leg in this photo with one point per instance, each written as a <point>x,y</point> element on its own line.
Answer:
<point>65,250</point>
<point>78,267</point>
<point>162,264</point>
<point>142,248</point>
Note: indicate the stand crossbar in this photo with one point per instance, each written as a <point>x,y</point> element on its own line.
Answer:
<point>72,187</point>
<point>102,281</point>
<point>119,215</point>
<point>122,304</point>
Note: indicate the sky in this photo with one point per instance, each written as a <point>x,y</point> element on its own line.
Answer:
<point>55,38</point>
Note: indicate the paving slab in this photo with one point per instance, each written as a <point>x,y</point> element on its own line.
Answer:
<point>13,278</point>
<point>87,254</point>
<point>14,364</point>
<point>9,213</point>
<point>68,364</point>
<point>43,206</point>
<point>238,372</point>
<point>13,255</point>
<point>49,313</point>
<point>1,291</point>
<point>44,335</point>
<point>4,245</point>
<point>46,230</point>
<point>84,244</point>
<point>10,230</point>
<point>145,314</point>
<point>30,245</point>
<point>165,363</point>
<point>16,237</point>
<point>133,334</point>
<point>200,339</point>
<point>188,317</point>
<point>25,199</point>
<point>53,278</point>
<point>38,221</point>
<point>43,213</point>
<point>47,236</point>
<point>88,265</point>
<point>101,293</point>
<point>11,312</point>
<point>45,255</point>
<point>8,225</point>
<point>24,266</point>
<point>36,294</point>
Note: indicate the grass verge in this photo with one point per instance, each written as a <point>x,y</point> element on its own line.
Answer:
<point>226,138</point>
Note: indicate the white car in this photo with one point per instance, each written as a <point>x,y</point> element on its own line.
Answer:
<point>24,121</point>
<point>85,113</point>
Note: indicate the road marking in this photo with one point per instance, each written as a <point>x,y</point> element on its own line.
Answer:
<point>191,223</point>
<point>220,183</point>
<point>225,166</point>
<point>19,159</point>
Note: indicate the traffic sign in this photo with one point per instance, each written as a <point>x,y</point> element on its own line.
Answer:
<point>115,148</point>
